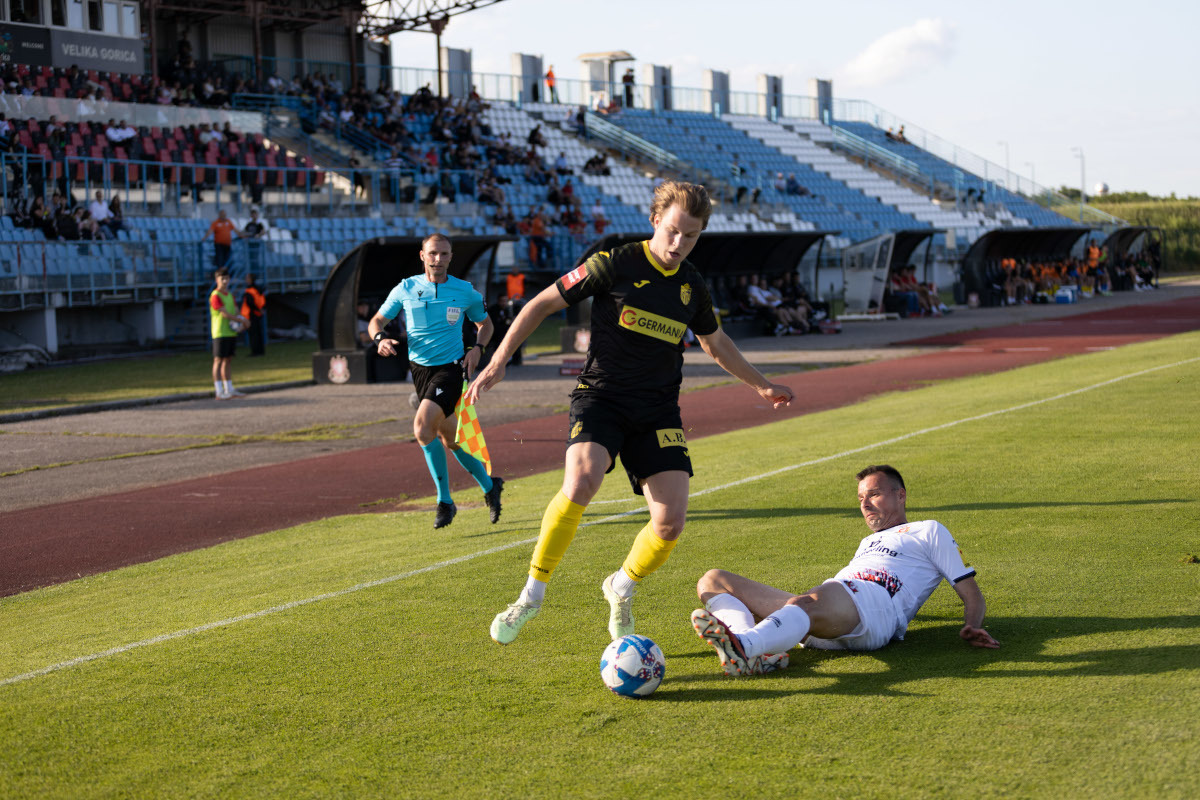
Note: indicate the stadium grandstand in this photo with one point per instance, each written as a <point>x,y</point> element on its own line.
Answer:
<point>126,127</point>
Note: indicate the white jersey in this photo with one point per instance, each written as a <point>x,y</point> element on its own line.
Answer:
<point>909,561</point>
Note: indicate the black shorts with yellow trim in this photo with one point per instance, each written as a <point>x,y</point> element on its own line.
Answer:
<point>441,383</point>
<point>648,437</point>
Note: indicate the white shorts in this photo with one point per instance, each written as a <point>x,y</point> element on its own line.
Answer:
<point>877,624</point>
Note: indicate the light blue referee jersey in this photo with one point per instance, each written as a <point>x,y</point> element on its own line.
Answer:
<point>435,313</point>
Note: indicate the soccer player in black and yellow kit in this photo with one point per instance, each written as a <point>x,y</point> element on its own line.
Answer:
<point>645,295</point>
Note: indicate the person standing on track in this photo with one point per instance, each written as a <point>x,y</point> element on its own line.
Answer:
<point>645,295</point>
<point>435,307</point>
<point>225,325</point>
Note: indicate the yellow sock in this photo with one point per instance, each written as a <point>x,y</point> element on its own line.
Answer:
<point>558,529</point>
<point>647,554</point>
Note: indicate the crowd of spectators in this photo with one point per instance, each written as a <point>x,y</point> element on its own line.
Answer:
<point>63,219</point>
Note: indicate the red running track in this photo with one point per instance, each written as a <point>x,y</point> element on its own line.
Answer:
<point>60,542</point>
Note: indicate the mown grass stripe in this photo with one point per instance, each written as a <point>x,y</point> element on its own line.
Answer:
<point>523,542</point>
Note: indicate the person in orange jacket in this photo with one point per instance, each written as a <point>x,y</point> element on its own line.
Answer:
<point>253,304</point>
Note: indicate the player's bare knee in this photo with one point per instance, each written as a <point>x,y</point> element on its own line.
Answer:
<point>668,529</point>
<point>715,581</point>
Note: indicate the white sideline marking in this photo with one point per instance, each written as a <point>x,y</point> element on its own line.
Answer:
<point>166,637</point>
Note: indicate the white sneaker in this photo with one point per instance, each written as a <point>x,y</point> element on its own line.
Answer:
<point>236,393</point>
<point>508,623</point>
<point>620,616</point>
<point>224,396</point>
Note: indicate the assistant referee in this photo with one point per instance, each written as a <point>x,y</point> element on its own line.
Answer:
<point>436,305</point>
<point>626,403</point>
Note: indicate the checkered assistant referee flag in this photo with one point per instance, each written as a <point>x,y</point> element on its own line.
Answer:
<point>469,433</point>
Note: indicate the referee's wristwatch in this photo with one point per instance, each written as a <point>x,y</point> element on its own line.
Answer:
<point>482,347</point>
<point>379,336</point>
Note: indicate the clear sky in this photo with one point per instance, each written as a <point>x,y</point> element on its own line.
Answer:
<point>1121,80</point>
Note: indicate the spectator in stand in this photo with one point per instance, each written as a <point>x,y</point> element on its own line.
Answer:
<point>780,183</point>
<point>66,223</point>
<point>581,121</point>
<point>6,133</point>
<point>505,219</point>
<point>539,244</point>
<point>222,230</point>
<point>561,166</point>
<point>86,106</point>
<point>256,232</point>
<point>535,138</point>
<point>599,220</point>
<point>39,217</point>
<point>116,215</point>
<point>900,136</point>
<point>627,80</point>
<point>99,210</point>
<point>89,229</point>
<point>551,85</point>
<point>794,188</point>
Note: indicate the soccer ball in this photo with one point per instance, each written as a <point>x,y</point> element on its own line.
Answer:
<point>632,666</point>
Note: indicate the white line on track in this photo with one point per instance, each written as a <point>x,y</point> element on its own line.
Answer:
<point>224,623</point>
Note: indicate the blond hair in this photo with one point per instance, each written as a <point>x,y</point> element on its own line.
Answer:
<point>690,197</point>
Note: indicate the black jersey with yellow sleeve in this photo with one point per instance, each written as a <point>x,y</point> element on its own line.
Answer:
<point>640,310</point>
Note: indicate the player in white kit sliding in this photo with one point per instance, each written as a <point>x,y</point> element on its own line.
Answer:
<point>866,605</point>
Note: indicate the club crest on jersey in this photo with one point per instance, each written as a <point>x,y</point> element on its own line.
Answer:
<point>574,276</point>
<point>685,293</point>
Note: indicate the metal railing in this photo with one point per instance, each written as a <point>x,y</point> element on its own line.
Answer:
<point>597,127</point>
<point>856,145</point>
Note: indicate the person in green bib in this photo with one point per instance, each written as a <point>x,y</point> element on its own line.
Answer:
<point>226,323</point>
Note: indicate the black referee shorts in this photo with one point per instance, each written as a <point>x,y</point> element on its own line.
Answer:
<point>648,438</point>
<point>442,384</point>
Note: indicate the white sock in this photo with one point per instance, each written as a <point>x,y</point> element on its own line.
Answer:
<point>228,386</point>
<point>731,611</point>
<point>778,633</point>
<point>622,584</point>
<point>533,593</point>
<point>217,385</point>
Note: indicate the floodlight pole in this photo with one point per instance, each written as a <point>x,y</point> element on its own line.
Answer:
<point>437,26</point>
<point>1007,169</point>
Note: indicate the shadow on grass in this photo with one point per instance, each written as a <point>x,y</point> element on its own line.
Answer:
<point>936,652</point>
<point>916,512</point>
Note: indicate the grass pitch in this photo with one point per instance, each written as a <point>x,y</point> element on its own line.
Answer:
<point>350,657</point>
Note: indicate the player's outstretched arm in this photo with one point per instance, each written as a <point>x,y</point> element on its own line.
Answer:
<point>721,349</point>
<point>974,608</point>
<point>547,302</point>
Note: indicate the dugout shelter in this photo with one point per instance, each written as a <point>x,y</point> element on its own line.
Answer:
<point>866,265</point>
<point>981,270</point>
<point>369,272</point>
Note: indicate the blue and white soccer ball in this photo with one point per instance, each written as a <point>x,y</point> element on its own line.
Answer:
<point>632,666</point>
